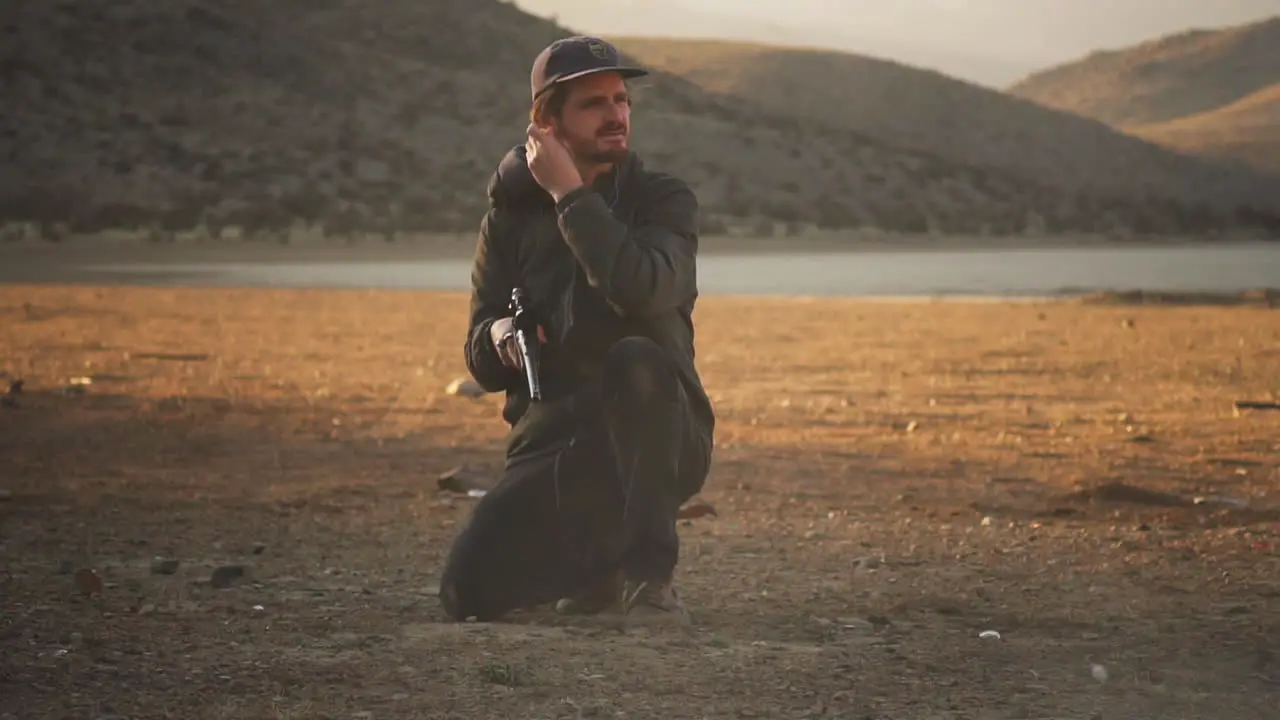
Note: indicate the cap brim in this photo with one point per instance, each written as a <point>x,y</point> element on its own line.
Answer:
<point>623,70</point>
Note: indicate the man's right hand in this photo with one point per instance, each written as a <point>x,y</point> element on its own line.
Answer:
<point>503,335</point>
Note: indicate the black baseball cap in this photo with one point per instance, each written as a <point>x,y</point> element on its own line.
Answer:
<point>573,57</point>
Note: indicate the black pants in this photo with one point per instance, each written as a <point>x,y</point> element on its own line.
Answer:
<point>557,524</point>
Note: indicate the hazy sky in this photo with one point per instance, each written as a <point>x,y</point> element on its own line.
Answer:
<point>993,42</point>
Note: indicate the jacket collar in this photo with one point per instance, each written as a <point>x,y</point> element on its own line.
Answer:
<point>512,183</point>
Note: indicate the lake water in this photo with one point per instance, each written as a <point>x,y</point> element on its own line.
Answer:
<point>1026,272</point>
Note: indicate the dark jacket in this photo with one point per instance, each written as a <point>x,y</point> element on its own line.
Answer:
<point>608,262</point>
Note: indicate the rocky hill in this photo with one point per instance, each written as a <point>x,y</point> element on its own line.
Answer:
<point>345,116</point>
<point>960,121</point>
<point>1246,131</point>
<point>1162,79</point>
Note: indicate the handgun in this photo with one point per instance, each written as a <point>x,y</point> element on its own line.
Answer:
<point>526,331</point>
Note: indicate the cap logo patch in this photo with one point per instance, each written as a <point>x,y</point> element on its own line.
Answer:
<point>598,49</point>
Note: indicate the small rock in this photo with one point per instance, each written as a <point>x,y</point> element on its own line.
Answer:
<point>696,507</point>
<point>163,566</point>
<point>87,582</point>
<point>226,576</point>
<point>867,563</point>
<point>1220,500</point>
<point>989,635</point>
<point>147,609</point>
<point>462,479</point>
<point>258,548</point>
<point>465,387</point>
<point>1099,672</point>
<point>912,426</point>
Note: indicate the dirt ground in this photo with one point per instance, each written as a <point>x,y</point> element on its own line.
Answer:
<point>891,481</point>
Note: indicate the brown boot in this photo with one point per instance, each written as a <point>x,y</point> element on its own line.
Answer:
<point>602,596</point>
<point>654,600</point>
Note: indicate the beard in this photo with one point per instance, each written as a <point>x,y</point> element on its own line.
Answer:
<point>609,156</point>
<point>588,150</point>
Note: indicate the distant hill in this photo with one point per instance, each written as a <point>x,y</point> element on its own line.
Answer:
<point>961,121</point>
<point>1246,131</point>
<point>1208,93</point>
<point>336,116</point>
<point>1162,79</point>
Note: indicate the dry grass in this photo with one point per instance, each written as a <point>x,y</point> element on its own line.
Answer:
<point>371,118</point>
<point>1246,131</point>
<point>891,480</point>
<point>1165,78</point>
<point>940,115</point>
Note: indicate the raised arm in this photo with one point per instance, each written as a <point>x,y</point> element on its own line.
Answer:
<point>642,270</point>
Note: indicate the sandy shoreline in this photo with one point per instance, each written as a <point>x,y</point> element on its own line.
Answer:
<point>1075,477</point>
<point>461,246</point>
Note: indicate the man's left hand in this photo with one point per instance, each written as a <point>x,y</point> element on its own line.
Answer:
<point>551,163</point>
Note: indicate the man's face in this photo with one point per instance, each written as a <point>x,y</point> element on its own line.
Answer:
<point>596,121</point>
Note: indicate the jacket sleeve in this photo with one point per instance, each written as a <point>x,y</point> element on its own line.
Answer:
<point>490,295</point>
<point>642,270</point>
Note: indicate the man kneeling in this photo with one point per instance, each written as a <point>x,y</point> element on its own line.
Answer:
<point>605,252</point>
